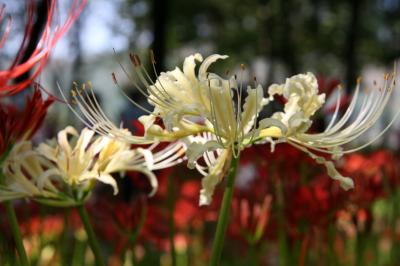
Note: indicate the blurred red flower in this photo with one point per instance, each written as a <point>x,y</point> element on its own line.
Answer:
<point>36,59</point>
<point>22,124</point>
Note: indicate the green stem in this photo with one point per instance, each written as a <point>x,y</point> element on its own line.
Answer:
<point>91,236</point>
<point>171,207</point>
<point>224,215</point>
<point>12,218</point>
<point>282,238</point>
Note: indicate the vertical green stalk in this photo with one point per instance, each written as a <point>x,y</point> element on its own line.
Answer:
<point>171,208</point>
<point>282,238</point>
<point>224,215</point>
<point>12,218</point>
<point>91,236</point>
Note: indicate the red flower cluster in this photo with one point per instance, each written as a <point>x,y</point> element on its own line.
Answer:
<point>376,176</point>
<point>22,124</point>
<point>38,58</point>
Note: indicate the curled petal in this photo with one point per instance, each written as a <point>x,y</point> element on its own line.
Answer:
<point>214,177</point>
<point>195,150</point>
<point>109,180</point>
<point>207,62</point>
<point>189,66</point>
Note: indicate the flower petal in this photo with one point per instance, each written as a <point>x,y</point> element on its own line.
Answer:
<point>189,66</point>
<point>195,150</point>
<point>109,180</point>
<point>207,62</point>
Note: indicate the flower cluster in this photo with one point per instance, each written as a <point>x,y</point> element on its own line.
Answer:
<point>217,118</point>
<point>22,124</point>
<point>62,172</point>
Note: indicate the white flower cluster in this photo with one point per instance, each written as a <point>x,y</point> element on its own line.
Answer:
<point>216,118</point>
<point>62,172</point>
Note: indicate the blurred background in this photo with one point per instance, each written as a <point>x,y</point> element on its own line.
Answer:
<point>284,213</point>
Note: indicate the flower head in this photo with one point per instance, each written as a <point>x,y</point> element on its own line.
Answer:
<point>216,118</point>
<point>64,171</point>
<point>303,100</point>
<point>189,104</point>
<point>21,125</point>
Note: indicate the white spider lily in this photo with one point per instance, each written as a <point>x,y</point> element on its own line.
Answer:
<point>63,172</point>
<point>205,111</point>
<point>22,164</point>
<point>187,103</point>
<point>301,92</point>
<point>303,101</point>
<point>215,163</point>
<point>204,104</point>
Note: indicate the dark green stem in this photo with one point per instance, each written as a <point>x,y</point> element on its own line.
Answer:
<point>12,218</point>
<point>282,238</point>
<point>91,236</point>
<point>171,207</point>
<point>224,215</point>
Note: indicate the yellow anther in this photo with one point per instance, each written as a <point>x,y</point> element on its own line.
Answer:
<point>386,76</point>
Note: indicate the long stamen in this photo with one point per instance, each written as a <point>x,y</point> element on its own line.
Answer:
<point>371,109</point>
<point>146,75</point>
<point>239,102</point>
<point>153,64</point>
<point>139,70</point>
<point>126,96</point>
<point>333,119</point>
<point>256,111</point>
<point>135,84</point>
<point>236,125</point>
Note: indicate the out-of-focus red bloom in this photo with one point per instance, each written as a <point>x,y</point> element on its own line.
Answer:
<point>22,124</point>
<point>34,221</point>
<point>375,175</point>
<point>118,221</point>
<point>37,59</point>
<point>328,86</point>
<point>250,218</point>
<point>301,191</point>
<point>310,199</point>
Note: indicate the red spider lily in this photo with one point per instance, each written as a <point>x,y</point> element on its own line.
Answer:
<point>251,218</point>
<point>18,125</point>
<point>38,58</point>
<point>119,221</point>
<point>375,175</point>
<point>309,199</point>
<point>33,221</point>
<point>328,86</point>
<point>301,191</point>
